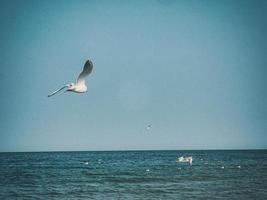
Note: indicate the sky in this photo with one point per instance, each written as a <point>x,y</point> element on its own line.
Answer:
<point>194,70</point>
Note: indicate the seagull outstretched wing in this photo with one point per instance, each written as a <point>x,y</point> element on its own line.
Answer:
<point>87,69</point>
<point>57,90</point>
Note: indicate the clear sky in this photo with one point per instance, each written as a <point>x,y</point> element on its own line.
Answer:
<point>194,70</point>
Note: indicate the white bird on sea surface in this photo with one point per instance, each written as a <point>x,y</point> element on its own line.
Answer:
<point>185,159</point>
<point>80,86</point>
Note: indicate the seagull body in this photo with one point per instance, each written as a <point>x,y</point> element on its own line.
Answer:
<point>80,86</point>
<point>185,159</point>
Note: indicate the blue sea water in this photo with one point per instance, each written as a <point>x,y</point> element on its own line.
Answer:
<point>235,174</point>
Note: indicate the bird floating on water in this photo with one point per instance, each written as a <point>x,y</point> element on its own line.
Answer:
<point>185,159</point>
<point>80,86</point>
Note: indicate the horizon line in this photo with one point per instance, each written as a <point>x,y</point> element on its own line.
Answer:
<point>55,151</point>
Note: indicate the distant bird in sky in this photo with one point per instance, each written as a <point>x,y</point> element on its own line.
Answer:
<point>148,127</point>
<point>80,86</point>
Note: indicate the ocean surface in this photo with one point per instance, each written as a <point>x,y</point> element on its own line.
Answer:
<point>231,174</point>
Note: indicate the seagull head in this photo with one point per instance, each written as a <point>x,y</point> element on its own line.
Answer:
<point>70,86</point>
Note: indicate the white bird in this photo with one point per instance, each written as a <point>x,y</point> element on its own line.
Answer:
<point>185,159</point>
<point>80,86</point>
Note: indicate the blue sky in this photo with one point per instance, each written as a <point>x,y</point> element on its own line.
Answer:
<point>194,70</point>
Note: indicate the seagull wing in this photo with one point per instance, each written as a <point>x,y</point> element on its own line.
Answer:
<point>57,91</point>
<point>87,69</point>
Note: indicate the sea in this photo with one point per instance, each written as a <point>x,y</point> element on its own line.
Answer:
<point>214,174</point>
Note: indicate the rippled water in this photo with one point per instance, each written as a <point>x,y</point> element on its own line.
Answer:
<point>134,175</point>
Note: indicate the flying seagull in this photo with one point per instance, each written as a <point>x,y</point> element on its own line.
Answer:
<point>80,86</point>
